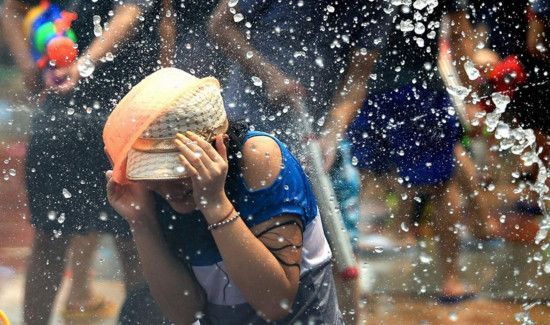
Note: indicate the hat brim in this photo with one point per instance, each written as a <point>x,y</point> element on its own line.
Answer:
<point>154,166</point>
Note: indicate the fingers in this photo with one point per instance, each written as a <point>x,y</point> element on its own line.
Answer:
<point>220,146</point>
<point>193,155</point>
<point>205,146</point>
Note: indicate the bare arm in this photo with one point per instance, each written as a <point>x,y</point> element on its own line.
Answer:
<point>346,102</point>
<point>175,289</point>
<point>167,31</point>
<point>233,42</point>
<point>461,38</point>
<point>121,27</point>
<point>351,93</point>
<point>12,21</point>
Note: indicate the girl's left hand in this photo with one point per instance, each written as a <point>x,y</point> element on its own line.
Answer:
<point>207,167</point>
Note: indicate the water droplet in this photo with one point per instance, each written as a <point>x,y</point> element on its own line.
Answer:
<point>103,216</point>
<point>419,28</point>
<point>458,91</point>
<point>425,258</point>
<point>98,31</point>
<point>378,249</point>
<point>321,121</point>
<point>12,172</point>
<point>70,111</point>
<point>52,215</point>
<point>330,8</point>
<point>257,81</point>
<point>238,17</point>
<point>471,70</point>
<point>500,101</point>
<point>96,19</point>
<point>239,154</point>
<point>109,56</point>
<point>180,170</point>
<point>502,218</point>
<point>320,62</point>
<point>85,67</point>
<point>406,25</point>
<point>61,218</point>
<point>404,227</point>
<point>284,304</point>
<point>232,3</point>
<point>66,193</point>
<point>453,316</point>
<point>249,54</point>
<point>354,161</point>
<point>203,201</point>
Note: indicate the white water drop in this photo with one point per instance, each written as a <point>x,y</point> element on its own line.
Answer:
<point>66,193</point>
<point>425,258</point>
<point>471,70</point>
<point>12,172</point>
<point>378,249</point>
<point>404,227</point>
<point>406,25</point>
<point>500,101</point>
<point>85,67</point>
<point>238,17</point>
<point>103,216</point>
<point>453,316</point>
<point>61,218</point>
<point>51,215</point>
<point>232,3</point>
<point>459,91</point>
<point>284,304</point>
<point>257,81</point>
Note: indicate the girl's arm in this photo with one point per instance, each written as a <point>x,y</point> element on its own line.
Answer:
<point>175,289</point>
<point>264,261</point>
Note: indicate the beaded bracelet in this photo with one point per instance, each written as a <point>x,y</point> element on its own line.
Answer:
<point>227,219</point>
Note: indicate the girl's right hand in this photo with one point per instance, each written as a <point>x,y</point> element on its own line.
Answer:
<point>133,201</point>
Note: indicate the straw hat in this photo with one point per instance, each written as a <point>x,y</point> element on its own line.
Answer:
<point>139,134</point>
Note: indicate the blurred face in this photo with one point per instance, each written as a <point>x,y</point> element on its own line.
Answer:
<point>178,193</point>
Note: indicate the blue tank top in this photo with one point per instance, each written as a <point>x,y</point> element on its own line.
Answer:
<point>290,193</point>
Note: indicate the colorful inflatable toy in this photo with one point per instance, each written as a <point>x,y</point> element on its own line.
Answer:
<point>48,29</point>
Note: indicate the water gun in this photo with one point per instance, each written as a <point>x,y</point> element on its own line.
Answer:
<point>506,77</point>
<point>48,29</point>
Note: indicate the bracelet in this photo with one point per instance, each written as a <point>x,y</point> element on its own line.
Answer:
<point>227,219</point>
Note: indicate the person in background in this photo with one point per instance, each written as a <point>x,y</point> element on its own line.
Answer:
<point>65,161</point>
<point>406,124</point>
<point>318,53</point>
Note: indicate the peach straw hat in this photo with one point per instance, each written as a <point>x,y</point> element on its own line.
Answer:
<point>139,133</point>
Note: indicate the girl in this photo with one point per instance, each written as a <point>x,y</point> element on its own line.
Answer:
<point>224,218</point>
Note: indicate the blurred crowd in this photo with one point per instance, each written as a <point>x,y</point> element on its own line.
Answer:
<point>414,104</point>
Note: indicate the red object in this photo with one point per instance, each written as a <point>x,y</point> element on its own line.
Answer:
<point>62,51</point>
<point>350,273</point>
<point>505,78</point>
<point>64,23</point>
<point>508,74</point>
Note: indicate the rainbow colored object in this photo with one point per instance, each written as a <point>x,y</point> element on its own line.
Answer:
<point>48,29</point>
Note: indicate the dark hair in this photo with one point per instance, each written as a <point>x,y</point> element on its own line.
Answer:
<point>237,131</point>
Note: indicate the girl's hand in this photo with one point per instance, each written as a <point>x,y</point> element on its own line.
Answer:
<point>134,202</point>
<point>207,167</point>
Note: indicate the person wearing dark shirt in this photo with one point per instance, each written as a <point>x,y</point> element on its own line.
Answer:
<point>407,124</point>
<point>65,161</point>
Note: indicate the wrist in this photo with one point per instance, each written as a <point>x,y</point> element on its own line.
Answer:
<point>217,208</point>
<point>143,224</point>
